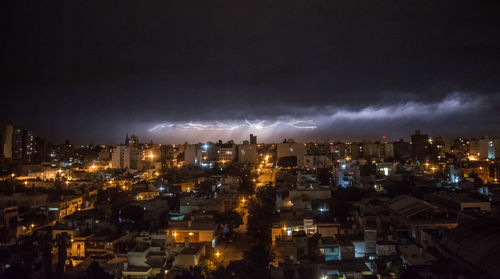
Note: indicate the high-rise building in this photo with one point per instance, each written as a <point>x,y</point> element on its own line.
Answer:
<point>8,142</point>
<point>387,150</point>
<point>370,150</point>
<point>248,153</point>
<point>253,139</point>
<point>419,146</point>
<point>226,153</point>
<point>21,145</point>
<point>402,150</point>
<point>290,148</point>
<point>125,157</point>
<point>132,140</point>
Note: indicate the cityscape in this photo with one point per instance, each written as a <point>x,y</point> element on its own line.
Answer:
<point>369,209</point>
<point>250,139</point>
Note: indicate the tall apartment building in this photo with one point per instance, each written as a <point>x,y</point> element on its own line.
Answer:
<point>370,150</point>
<point>253,139</point>
<point>292,148</point>
<point>248,153</point>
<point>125,157</point>
<point>22,145</point>
<point>226,153</point>
<point>419,146</point>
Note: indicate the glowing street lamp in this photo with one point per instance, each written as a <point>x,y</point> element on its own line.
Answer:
<point>217,254</point>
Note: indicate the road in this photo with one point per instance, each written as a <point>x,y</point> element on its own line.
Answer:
<point>267,176</point>
<point>234,251</point>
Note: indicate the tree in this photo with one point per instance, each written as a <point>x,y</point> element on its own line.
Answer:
<point>28,251</point>
<point>191,273</point>
<point>231,220</point>
<point>130,217</point>
<point>15,271</point>
<point>258,257</point>
<point>247,187</point>
<point>94,271</point>
<point>206,188</point>
<point>261,214</point>
<point>45,246</point>
<point>63,241</point>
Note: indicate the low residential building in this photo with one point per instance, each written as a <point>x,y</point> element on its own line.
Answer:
<point>27,199</point>
<point>66,206</point>
<point>190,204</point>
<point>103,246</point>
<point>196,232</point>
<point>189,256</point>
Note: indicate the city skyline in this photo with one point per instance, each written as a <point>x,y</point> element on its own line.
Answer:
<point>243,139</point>
<point>352,69</point>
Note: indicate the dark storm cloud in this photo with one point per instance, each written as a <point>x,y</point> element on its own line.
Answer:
<point>102,69</point>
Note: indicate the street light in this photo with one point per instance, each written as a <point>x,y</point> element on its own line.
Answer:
<point>217,254</point>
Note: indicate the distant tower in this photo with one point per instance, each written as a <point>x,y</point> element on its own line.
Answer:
<point>133,140</point>
<point>253,139</point>
<point>126,139</point>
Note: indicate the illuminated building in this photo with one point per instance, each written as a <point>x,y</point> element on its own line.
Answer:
<point>291,148</point>
<point>196,232</point>
<point>226,153</point>
<point>125,157</point>
<point>21,145</point>
<point>248,153</point>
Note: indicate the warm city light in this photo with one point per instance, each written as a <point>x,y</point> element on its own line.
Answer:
<point>193,134</point>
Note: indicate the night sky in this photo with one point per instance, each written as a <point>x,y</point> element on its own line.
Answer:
<point>91,71</point>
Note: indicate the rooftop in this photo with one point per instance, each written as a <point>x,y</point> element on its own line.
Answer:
<point>408,206</point>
